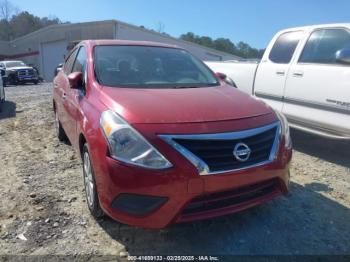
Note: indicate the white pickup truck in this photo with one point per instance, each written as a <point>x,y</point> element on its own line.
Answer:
<point>305,74</point>
<point>2,89</point>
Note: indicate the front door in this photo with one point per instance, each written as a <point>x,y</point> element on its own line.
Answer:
<point>72,103</point>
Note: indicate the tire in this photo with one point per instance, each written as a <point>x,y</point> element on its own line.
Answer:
<point>13,80</point>
<point>61,135</point>
<point>36,82</point>
<point>91,195</point>
<point>2,100</point>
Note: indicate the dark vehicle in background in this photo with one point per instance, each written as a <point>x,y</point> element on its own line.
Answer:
<point>2,89</point>
<point>17,72</point>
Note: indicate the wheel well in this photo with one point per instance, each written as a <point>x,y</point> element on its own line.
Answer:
<point>82,142</point>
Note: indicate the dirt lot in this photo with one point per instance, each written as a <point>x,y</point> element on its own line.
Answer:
<point>43,211</point>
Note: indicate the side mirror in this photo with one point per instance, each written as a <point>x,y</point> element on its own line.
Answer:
<point>343,56</point>
<point>221,76</point>
<point>2,72</point>
<point>75,80</point>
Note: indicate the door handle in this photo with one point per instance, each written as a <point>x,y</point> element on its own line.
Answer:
<point>298,73</point>
<point>280,72</point>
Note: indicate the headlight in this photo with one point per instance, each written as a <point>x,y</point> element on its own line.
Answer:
<point>285,129</point>
<point>127,145</point>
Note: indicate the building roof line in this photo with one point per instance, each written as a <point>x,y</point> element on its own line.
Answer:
<point>215,51</point>
<point>58,26</point>
<point>176,39</point>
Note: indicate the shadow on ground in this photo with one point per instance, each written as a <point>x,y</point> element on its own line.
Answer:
<point>304,222</point>
<point>7,109</point>
<point>334,151</point>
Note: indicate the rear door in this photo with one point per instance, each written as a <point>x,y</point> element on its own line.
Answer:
<point>317,94</point>
<point>272,71</point>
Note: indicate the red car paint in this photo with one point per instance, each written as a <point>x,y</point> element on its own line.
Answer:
<point>152,112</point>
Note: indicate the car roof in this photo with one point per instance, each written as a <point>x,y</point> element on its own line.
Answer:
<point>127,42</point>
<point>319,26</point>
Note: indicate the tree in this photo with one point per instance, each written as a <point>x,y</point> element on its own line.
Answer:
<point>242,49</point>
<point>206,41</point>
<point>190,37</point>
<point>6,10</point>
<point>160,27</point>
<point>15,24</point>
<point>225,45</point>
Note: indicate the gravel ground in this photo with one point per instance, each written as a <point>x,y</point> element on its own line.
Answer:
<point>43,210</point>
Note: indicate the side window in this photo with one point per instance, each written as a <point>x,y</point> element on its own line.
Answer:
<point>323,44</point>
<point>80,61</point>
<point>67,68</point>
<point>284,47</point>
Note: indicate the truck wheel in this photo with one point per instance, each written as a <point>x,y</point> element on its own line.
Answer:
<point>35,82</point>
<point>14,80</point>
<point>61,135</point>
<point>4,98</point>
<point>90,185</point>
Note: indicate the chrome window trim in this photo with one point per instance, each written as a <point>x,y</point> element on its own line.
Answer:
<point>202,167</point>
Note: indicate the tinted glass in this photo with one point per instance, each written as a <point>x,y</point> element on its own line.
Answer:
<point>323,45</point>
<point>67,68</point>
<point>284,47</point>
<point>150,67</point>
<point>80,61</point>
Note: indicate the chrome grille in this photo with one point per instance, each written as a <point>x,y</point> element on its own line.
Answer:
<point>213,153</point>
<point>25,72</point>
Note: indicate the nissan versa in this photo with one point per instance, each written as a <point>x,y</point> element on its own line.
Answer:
<point>162,138</point>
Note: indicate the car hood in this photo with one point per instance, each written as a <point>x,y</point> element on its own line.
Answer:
<point>187,105</point>
<point>19,67</point>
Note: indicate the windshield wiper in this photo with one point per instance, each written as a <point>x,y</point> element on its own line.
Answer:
<point>197,86</point>
<point>180,87</point>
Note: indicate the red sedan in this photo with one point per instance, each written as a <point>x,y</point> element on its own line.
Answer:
<point>162,138</point>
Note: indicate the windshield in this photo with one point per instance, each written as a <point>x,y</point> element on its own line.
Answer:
<point>150,67</point>
<point>14,64</point>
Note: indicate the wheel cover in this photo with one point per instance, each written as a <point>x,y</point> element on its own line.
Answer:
<point>88,181</point>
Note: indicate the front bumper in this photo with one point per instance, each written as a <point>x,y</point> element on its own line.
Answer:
<point>28,78</point>
<point>187,195</point>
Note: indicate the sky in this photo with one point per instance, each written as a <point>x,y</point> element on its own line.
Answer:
<point>254,21</point>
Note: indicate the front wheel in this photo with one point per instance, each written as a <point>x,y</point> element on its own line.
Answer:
<point>90,185</point>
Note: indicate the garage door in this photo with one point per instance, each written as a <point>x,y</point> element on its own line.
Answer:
<point>52,55</point>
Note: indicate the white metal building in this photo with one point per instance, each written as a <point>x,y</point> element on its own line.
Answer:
<point>46,48</point>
